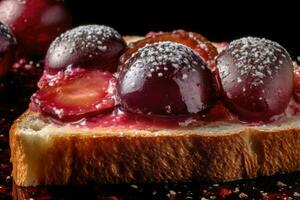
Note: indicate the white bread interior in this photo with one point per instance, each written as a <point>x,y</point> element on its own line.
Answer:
<point>44,153</point>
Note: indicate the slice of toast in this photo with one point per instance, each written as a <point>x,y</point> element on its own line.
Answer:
<point>44,153</point>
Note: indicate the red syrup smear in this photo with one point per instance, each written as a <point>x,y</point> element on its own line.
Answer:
<point>117,118</point>
<point>13,104</point>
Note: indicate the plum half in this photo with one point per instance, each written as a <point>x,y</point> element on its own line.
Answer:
<point>35,23</point>
<point>255,78</point>
<point>81,94</point>
<point>165,79</point>
<point>89,46</point>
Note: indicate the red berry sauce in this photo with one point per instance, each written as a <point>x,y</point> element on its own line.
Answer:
<point>165,80</point>
<point>13,104</point>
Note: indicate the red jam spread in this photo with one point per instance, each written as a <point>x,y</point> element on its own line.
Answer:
<point>274,187</point>
<point>173,79</point>
<point>117,118</point>
<point>120,119</point>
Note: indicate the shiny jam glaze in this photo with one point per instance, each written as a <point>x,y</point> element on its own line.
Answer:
<point>13,104</point>
<point>118,118</point>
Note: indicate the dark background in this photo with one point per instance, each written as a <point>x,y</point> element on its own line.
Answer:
<point>217,20</point>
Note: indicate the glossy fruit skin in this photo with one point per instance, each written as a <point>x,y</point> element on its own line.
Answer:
<point>255,78</point>
<point>7,49</point>
<point>90,46</point>
<point>78,95</point>
<point>165,79</point>
<point>35,23</point>
<point>297,83</point>
<point>195,41</point>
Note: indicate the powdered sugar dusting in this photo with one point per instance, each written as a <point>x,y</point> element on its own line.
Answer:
<point>89,39</point>
<point>256,57</point>
<point>163,55</point>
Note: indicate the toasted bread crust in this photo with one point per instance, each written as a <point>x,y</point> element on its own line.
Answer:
<point>144,157</point>
<point>77,156</point>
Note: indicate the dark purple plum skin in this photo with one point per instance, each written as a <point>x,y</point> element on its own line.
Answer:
<point>258,94</point>
<point>168,91</point>
<point>7,49</point>
<point>63,53</point>
<point>35,23</point>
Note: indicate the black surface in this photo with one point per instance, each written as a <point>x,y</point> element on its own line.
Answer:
<point>217,20</point>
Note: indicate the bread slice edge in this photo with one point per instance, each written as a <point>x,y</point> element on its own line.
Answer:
<point>44,153</point>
